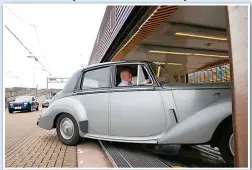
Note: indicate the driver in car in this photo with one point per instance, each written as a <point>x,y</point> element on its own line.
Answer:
<point>126,79</point>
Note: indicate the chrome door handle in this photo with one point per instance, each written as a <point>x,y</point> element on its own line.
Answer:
<point>216,94</point>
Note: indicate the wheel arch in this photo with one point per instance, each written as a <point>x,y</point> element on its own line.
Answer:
<point>56,118</point>
<point>219,129</point>
<point>69,106</point>
<point>200,127</point>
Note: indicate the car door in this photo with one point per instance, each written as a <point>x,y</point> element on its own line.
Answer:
<point>94,96</point>
<point>136,111</point>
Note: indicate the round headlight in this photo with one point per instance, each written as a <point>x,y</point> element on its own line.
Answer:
<point>25,103</point>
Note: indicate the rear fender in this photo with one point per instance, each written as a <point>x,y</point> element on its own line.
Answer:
<point>200,127</point>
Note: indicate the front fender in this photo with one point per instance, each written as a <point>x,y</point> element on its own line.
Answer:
<point>200,127</point>
<point>64,105</point>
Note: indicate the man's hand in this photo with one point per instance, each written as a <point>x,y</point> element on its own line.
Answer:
<point>148,81</point>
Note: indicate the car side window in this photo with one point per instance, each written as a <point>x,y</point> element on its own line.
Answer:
<point>98,78</point>
<point>132,75</point>
<point>143,76</point>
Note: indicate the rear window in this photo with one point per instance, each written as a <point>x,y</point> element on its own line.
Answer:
<point>97,78</point>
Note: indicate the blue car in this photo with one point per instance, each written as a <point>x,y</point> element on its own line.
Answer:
<point>23,103</point>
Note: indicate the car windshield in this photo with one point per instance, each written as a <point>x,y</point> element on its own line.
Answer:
<point>23,98</point>
<point>162,75</point>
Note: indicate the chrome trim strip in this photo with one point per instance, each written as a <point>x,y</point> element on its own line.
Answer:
<point>133,89</point>
<point>149,139</point>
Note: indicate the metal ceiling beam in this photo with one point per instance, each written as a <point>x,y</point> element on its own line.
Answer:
<point>144,29</point>
<point>172,28</point>
<point>147,47</point>
<point>196,26</point>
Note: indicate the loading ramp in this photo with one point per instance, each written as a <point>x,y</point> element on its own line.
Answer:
<point>125,155</point>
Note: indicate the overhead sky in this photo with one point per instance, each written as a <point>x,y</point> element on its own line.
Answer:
<point>62,41</point>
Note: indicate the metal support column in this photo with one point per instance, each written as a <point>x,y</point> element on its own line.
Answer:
<point>47,83</point>
<point>237,26</point>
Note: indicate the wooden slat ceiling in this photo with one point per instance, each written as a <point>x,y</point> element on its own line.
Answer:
<point>155,19</point>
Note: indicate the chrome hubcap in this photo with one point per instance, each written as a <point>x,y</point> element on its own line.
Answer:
<point>66,128</point>
<point>231,144</point>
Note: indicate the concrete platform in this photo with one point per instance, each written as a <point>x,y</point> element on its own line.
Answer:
<point>91,155</point>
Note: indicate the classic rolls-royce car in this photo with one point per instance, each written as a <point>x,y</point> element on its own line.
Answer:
<point>45,103</point>
<point>140,102</point>
<point>23,103</point>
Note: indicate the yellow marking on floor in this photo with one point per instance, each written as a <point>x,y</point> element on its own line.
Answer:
<point>177,166</point>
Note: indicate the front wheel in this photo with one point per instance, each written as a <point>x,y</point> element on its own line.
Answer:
<point>67,130</point>
<point>226,145</point>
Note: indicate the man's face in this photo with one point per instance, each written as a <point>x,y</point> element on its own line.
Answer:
<point>127,76</point>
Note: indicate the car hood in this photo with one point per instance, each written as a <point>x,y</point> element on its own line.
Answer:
<point>19,102</point>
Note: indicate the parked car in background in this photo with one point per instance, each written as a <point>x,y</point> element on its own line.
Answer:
<point>162,112</point>
<point>45,103</point>
<point>23,103</point>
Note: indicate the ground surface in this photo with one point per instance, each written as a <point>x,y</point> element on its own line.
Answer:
<point>26,145</point>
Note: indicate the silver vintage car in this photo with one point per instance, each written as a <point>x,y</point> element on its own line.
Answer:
<point>97,103</point>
